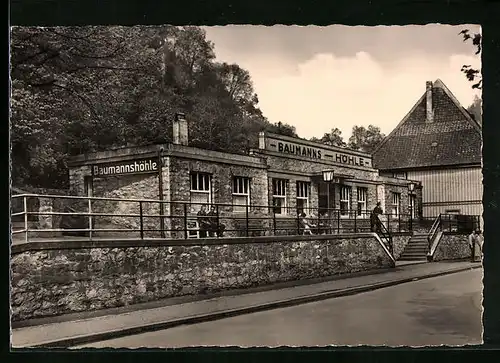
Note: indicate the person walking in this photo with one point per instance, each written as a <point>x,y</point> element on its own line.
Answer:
<point>475,244</point>
<point>374,219</point>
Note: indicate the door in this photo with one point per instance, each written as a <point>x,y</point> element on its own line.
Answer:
<point>326,197</point>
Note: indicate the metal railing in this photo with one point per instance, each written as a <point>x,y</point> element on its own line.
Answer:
<point>385,235</point>
<point>141,218</point>
<point>433,232</point>
<point>459,223</point>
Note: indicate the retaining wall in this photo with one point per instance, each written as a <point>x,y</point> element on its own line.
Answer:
<point>452,246</point>
<point>61,277</point>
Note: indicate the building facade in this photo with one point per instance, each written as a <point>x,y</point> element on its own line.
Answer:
<point>282,178</point>
<point>438,143</point>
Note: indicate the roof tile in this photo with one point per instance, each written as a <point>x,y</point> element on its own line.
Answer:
<point>453,138</point>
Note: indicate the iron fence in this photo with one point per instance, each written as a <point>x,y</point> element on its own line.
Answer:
<point>141,218</point>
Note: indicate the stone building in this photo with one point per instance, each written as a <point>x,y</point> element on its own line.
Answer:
<point>439,144</point>
<point>269,187</point>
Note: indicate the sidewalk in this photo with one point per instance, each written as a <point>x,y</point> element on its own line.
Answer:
<point>78,332</point>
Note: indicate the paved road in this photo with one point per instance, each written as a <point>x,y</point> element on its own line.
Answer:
<point>441,310</point>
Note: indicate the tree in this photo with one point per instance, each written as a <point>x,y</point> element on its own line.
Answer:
<point>365,139</point>
<point>475,110</point>
<point>472,74</point>
<point>333,138</point>
<point>83,89</point>
<point>281,129</point>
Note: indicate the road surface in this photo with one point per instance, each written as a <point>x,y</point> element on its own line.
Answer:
<point>442,310</point>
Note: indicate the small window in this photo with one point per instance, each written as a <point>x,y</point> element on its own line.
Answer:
<point>303,189</point>
<point>279,195</point>
<point>200,190</point>
<point>241,193</point>
<point>345,200</point>
<point>362,195</point>
<point>395,205</point>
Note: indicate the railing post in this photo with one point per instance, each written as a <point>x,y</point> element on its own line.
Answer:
<point>90,218</point>
<point>246,216</point>
<point>217,213</point>
<point>355,222</point>
<point>298,222</point>
<point>185,221</point>
<point>410,224</point>
<point>141,221</point>
<point>162,220</point>
<point>338,222</point>
<point>25,202</point>
<point>274,220</point>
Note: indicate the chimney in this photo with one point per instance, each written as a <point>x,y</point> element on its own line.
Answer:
<point>429,110</point>
<point>262,140</point>
<point>180,128</point>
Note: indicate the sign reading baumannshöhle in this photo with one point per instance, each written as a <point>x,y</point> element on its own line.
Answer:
<point>319,153</point>
<point>126,167</point>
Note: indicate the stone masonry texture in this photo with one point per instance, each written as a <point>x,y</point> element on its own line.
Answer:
<point>452,247</point>
<point>53,282</point>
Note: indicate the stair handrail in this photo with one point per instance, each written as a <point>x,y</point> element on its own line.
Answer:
<point>384,233</point>
<point>433,231</point>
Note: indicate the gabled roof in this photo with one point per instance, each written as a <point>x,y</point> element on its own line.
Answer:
<point>452,139</point>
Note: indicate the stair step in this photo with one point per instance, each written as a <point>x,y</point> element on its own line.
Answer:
<point>412,259</point>
<point>414,255</point>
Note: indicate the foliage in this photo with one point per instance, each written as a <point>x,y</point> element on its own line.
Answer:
<point>472,74</point>
<point>82,89</point>
<point>475,110</point>
<point>333,138</point>
<point>365,139</point>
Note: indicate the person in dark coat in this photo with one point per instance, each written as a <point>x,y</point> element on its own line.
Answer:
<point>203,222</point>
<point>374,219</point>
<point>215,228</point>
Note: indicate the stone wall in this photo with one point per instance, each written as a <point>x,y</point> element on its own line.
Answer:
<point>141,186</point>
<point>399,243</point>
<point>41,205</point>
<point>452,247</point>
<point>58,281</point>
<point>221,193</point>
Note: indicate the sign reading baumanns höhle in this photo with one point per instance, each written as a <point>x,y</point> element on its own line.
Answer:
<point>319,153</point>
<point>126,167</point>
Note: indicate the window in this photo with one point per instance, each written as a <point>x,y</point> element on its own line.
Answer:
<point>396,198</point>
<point>362,193</point>
<point>400,175</point>
<point>241,193</point>
<point>279,196</point>
<point>303,197</point>
<point>200,190</point>
<point>345,200</point>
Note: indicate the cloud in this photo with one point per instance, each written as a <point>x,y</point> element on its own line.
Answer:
<point>327,91</point>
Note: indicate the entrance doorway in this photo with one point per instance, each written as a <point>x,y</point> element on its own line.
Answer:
<point>413,205</point>
<point>326,197</point>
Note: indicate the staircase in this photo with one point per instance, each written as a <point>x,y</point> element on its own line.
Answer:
<point>416,249</point>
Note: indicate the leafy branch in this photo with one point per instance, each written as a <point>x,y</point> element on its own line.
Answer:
<point>472,74</point>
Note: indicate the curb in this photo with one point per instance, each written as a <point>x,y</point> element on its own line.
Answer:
<point>113,334</point>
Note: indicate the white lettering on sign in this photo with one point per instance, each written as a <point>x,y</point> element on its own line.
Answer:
<point>317,153</point>
<point>288,148</point>
<point>351,160</point>
<point>133,167</point>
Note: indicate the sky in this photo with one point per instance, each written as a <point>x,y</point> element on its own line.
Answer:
<point>318,78</point>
